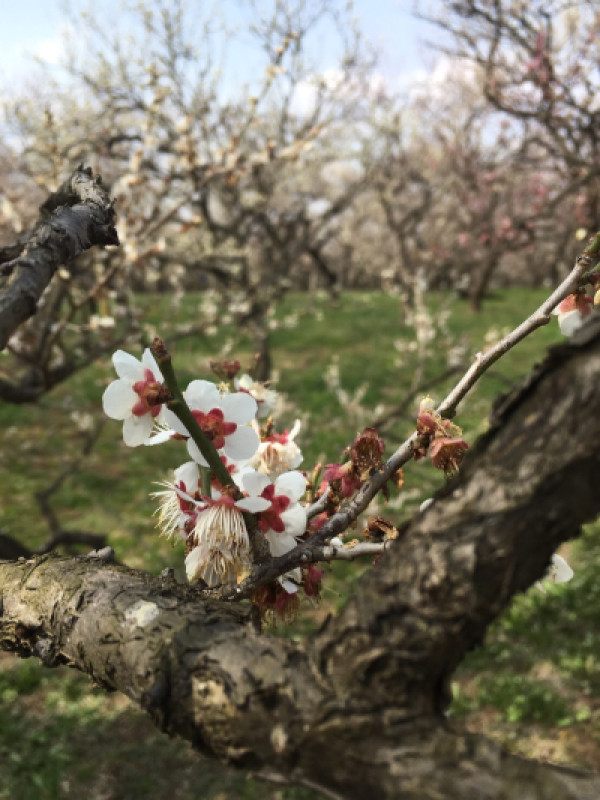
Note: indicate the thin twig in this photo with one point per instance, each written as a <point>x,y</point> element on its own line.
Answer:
<point>312,550</point>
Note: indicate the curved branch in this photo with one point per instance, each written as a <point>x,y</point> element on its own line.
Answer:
<point>526,487</point>
<point>76,217</point>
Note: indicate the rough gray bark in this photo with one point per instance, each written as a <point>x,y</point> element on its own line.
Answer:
<point>76,217</point>
<point>358,709</point>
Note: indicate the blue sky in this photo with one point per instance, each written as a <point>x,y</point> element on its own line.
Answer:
<point>33,26</point>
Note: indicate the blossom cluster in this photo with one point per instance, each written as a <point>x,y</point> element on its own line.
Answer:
<point>212,517</point>
<point>240,491</point>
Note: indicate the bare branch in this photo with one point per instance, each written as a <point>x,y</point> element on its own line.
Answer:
<point>76,217</point>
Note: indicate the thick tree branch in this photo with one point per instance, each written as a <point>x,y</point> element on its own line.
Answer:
<point>76,217</point>
<point>358,710</point>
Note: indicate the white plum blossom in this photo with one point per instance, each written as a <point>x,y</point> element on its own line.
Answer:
<point>264,396</point>
<point>220,544</point>
<point>278,453</point>
<point>286,517</point>
<point>284,521</point>
<point>224,419</point>
<point>133,397</point>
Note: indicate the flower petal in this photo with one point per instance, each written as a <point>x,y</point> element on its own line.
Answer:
<point>294,519</point>
<point>159,437</point>
<point>202,396</point>
<point>295,431</point>
<point>425,504</point>
<point>173,421</point>
<point>193,561</point>
<point>195,453</point>
<point>189,474</point>
<point>128,366</point>
<point>280,543</point>
<point>242,444</point>
<point>137,429</point>
<point>559,571</point>
<point>119,399</point>
<point>253,504</point>
<point>570,321</point>
<point>239,407</point>
<point>291,484</point>
<point>149,362</point>
<point>253,482</point>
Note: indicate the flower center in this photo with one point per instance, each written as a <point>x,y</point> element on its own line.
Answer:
<point>279,438</point>
<point>149,391</point>
<point>214,427</point>
<point>271,518</point>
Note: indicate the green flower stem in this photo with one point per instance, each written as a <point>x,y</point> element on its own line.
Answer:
<point>205,480</point>
<point>181,410</point>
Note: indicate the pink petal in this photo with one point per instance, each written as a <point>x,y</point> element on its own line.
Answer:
<point>128,366</point>
<point>291,484</point>
<point>118,399</point>
<point>239,407</point>
<point>137,429</point>
<point>242,444</point>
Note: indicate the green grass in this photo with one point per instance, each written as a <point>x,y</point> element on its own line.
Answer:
<point>61,738</point>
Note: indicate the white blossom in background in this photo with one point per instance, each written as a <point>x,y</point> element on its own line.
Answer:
<point>278,453</point>
<point>130,397</point>
<point>264,396</point>
<point>558,572</point>
<point>224,419</point>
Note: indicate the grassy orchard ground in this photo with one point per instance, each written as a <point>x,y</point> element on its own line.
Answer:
<point>536,683</point>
